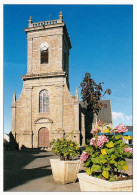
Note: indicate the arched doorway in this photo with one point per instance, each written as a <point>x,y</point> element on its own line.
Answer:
<point>43,137</point>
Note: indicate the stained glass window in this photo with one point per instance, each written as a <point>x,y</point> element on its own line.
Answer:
<point>44,101</point>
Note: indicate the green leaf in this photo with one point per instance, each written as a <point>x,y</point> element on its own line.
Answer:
<point>117,153</point>
<point>96,160</point>
<point>88,171</point>
<point>105,174</point>
<point>122,165</point>
<point>122,144</point>
<point>113,156</point>
<point>113,162</point>
<point>111,150</point>
<point>103,161</point>
<point>118,136</point>
<point>95,168</point>
<point>103,158</point>
<point>113,178</point>
<point>120,150</point>
<point>118,142</point>
<point>86,164</point>
<point>88,149</point>
<point>106,168</point>
<point>127,154</point>
<point>93,155</point>
<point>126,146</point>
<point>122,162</point>
<point>119,167</point>
<point>110,144</point>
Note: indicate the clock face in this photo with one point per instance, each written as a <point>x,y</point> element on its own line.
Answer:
<point>44,46</point>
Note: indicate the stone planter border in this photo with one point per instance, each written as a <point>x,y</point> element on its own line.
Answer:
<point>89,183</point>
<point>65,171</point>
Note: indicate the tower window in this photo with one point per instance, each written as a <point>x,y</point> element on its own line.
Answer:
<point>44,56</point>
<point>43,101</point>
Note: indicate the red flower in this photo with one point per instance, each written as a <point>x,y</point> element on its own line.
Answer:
<point>103,178</point>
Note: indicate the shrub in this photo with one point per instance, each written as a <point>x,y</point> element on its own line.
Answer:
<point>106,154</point>
<point>65,148</point>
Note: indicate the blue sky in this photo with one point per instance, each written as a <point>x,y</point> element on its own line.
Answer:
<point>101,37</point>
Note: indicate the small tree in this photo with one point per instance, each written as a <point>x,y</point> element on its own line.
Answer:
<point>91,94</point>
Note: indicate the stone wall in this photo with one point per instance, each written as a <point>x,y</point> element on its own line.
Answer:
<point>54,39</point>
<point>63,115</point>
<point>63,111</point>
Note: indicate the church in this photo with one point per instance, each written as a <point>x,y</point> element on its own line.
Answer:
<point>45,109</point>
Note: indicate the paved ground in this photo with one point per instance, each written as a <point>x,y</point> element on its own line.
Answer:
<point>30,171</point>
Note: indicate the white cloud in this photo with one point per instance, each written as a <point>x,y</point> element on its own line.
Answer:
<point>121,116</point>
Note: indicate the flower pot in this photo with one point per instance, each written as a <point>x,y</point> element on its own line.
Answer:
<point>65,171</point>
<point>89,183</point>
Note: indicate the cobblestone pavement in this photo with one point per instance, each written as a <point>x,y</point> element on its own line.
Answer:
<point>30,171</point>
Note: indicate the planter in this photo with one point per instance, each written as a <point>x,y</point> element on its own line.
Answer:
<point>89,183</point>
<point>65,171</point>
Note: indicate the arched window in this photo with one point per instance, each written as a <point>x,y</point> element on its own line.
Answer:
<point>44,101</point>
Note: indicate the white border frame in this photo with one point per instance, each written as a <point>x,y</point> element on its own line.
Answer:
<point>131,2</point>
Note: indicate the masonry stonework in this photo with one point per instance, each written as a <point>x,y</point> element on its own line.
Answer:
<point>63,114</point>
<point>37,119</point>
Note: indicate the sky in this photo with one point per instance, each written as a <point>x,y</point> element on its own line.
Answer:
<point>102,44</point>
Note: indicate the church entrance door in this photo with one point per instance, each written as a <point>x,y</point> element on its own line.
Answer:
<point>43,137</point>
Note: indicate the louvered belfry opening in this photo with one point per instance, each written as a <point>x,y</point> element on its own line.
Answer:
<point>44,57</point>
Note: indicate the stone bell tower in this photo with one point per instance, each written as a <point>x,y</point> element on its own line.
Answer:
<point>48,48</point>
<point>45,108</point>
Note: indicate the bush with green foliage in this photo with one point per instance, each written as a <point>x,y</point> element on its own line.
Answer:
<point>65,148</point>
<point>105,156</point>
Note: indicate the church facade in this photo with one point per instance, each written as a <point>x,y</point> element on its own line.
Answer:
<point>45,109</point>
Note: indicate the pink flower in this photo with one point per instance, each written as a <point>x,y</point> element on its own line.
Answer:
<point>92,142</point>
<point>101,140</point>
<point>84,156</point>
<point>95,130</point>
<point>99,123</point>
<point>128,150</point>
<point>120,129</point>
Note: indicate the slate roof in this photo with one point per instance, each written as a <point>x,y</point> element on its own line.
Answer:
<point>105,114</point>
<point>130,128</point>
